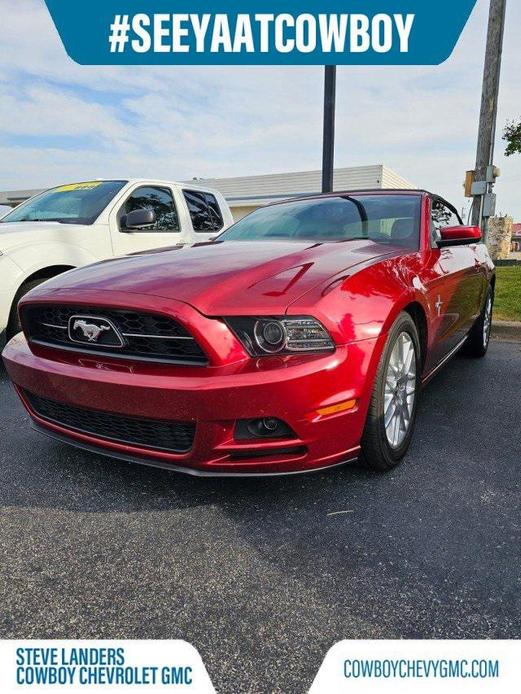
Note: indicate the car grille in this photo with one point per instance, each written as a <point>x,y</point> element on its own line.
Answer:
<point>176,437</point>
<point>147,336</point>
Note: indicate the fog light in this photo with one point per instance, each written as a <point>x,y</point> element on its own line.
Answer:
<point>270,423</point>
<point>263,428</point>
<point>268,426</point>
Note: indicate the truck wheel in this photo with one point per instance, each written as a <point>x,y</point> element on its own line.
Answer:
<point>14,325</point>
<point>476,344</point>
<point>392,412</point>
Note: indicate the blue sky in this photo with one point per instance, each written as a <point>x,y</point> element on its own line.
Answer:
<point>60,121</point>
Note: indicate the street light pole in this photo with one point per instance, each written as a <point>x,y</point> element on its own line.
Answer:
<point>328,143</point>
<point>488,116</point>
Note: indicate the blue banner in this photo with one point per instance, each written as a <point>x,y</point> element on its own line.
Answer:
<point>227,32</point>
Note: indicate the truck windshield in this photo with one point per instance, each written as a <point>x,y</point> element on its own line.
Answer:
<point>388,219</point>
<point>75,203</point>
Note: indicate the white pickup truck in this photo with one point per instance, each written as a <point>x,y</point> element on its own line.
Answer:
<point>81,223</point>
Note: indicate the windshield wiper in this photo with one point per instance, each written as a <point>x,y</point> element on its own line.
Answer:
<point>38,219</point>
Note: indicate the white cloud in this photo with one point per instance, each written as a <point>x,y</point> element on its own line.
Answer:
<point>41,111</point>
<point>216,121</point>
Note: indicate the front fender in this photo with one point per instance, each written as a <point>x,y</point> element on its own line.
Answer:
<point>359,310</point>
<point>365,305</point>
<point>38,256</point>
<point>11,276</point>
<point>25,261</point>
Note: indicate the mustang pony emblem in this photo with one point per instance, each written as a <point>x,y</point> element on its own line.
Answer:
<point>89,330</point>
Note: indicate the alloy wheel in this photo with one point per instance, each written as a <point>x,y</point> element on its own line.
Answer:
<point>400,390</point>
<point>487,321</point>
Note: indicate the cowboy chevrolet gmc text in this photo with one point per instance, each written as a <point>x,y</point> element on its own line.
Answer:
<point>299,339</point>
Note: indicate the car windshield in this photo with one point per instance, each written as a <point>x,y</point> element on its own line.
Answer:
<point>388,219</point>
<point>75,203</point>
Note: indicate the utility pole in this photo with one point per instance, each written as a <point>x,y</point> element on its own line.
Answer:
<point>485,174</point>
<point>328,141</point>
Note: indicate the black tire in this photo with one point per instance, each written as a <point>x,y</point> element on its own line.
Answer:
<point>14,326</point>
<point>478,339</point>
<point>377,452</point>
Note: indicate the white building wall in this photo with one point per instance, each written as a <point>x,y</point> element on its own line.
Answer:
<point>391,179</point>
<point>246,193</point>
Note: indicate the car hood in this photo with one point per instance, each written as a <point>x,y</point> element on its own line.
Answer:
<point>13,234</point>
<point>226,277</point>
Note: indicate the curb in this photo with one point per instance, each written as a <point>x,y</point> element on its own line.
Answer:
<point>509,331</point>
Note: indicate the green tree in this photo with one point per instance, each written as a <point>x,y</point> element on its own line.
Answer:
<point>512,135</point>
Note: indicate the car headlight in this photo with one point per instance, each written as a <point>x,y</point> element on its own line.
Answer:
<point>281,335</point>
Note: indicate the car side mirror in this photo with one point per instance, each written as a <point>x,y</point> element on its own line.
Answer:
<point>138,219</point>
<point>458,235</point>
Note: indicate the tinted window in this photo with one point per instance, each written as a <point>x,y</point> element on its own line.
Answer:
<point>160,200</point>
<point>75,203</point>
<point>204,209</point>
<point>387,219</point>
<point>442,216</point>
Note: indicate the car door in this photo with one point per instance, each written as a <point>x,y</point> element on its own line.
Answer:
<point>206,216</point>
<point>167,230</point>
<point>453,282</point>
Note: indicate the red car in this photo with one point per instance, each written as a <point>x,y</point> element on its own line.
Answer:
<point>296,341</point>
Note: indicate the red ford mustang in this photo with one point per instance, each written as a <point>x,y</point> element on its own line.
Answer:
<point>296,341</point>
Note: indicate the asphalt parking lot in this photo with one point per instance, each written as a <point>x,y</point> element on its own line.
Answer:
<point>259,574</point>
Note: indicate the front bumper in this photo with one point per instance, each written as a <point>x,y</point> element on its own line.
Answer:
<point>290,388</point>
